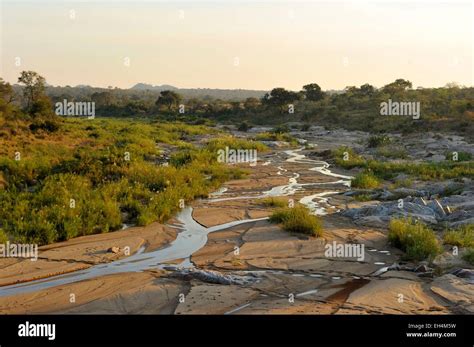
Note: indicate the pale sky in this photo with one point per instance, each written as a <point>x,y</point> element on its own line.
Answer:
<point>239,44</point>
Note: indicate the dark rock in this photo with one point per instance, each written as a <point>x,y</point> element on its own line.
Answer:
<point>114,250</point>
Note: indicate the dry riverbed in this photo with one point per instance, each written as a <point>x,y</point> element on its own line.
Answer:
<point>269,270</point>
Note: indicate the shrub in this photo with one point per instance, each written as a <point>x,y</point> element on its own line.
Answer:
<point>416,239</point>
<point>469,256</point>
<point>298,220</point>
<point>46,125</point>
<point>281,129</point>
<point>3,237</point>
<point>363,197</point>
<point>393,152</point>
<point>273,202</point>
<point>347,157</point>
<point>461,237</point>
<point>244,126</point>
<point>378,140</point>
<point>365,180</point>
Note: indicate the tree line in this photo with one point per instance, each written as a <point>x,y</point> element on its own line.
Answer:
<point>355,106</point>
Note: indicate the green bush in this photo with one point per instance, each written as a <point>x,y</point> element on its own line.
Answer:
<point>417,240</point>
<point>3,237</point>
<point>362,197</point>
<point>365,180</point>
<point>273,202</point>
<point>244,126</point>
<point>298,220</point>
<point>347,158</point>
<point>461,237</point>
<point>378,140</point>
<point>393,152</point>
<point>281,129</point>
<point>469,256</point>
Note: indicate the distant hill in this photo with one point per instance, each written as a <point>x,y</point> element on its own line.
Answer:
<point>145,86</point>
<point>225,94</point>
<point>147,91</point>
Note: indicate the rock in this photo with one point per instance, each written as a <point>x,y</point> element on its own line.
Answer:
<point>455,290</point>
<point>420,201</point>
<point>394,267</point>
<point>437,208</point>
<point>371,221</point>
<point>402,192</point>
<point>114,249</point>
<point>301,141</point>
<point>422,268</point>
<point>447,260</point>
<point>462,222</point>
<point>384,212</point>
<point>215,277</point>
<point>467,274</point>
<point>386,195</point>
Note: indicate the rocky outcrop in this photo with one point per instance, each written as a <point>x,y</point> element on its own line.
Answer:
<point>456,290</point>
<point>454,210</point>
<point>216,277</point>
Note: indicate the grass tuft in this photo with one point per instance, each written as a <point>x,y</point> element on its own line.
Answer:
<point>416,239</point>
<point>298,220</point>
<point>365,180</point>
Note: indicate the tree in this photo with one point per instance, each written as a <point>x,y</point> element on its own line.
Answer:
<point>313,92</point>
<point>280,97</point>
<point>400,85</point>
<point>251,104</point>
<point>102,98</point>
<point>42,106</point>
<point>367,89</point>
<point>34,87</point>
<point>6,97</point>
<point>194,105</point>
<point>169,99</point>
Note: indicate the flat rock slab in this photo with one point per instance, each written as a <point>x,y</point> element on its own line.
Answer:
<point>214,299</point>
<point>383,296</point>
<point>457,291</point>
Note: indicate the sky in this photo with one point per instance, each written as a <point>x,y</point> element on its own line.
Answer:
<point>239,44</point>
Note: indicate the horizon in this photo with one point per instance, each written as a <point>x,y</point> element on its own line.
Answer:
<point>239,45</point>
<point>257,90</point>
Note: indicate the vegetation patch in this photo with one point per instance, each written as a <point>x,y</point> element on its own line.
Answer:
<point>298,220</point>
<point>416,239</point>
<point>273,202</point>
<point>469,256</point>
<point>378,140</point>
<point>365,180</point>
<point>68,184</point>
<point>461,237</point>
<point>348,159</point>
